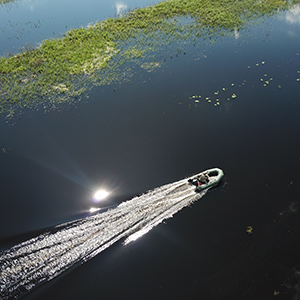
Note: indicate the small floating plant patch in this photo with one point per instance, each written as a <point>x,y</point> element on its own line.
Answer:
<point>231,91</point>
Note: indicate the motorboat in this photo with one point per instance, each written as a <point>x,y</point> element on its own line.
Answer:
<point>207,179</point>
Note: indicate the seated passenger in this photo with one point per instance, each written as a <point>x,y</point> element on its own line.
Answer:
<point>203,178</point>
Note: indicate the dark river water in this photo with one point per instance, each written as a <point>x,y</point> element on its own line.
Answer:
<point>134,137</point>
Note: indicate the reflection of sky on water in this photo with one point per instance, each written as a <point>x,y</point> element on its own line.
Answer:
<point>121,8</point>
<point>236,33</point>
<point>292,16</point>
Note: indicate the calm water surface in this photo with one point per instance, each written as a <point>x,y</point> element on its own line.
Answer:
<point>133,137</point>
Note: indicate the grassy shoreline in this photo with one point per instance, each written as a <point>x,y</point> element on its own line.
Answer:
<point>63,68</point>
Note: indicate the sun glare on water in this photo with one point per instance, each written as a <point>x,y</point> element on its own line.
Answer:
<point>100,195</point>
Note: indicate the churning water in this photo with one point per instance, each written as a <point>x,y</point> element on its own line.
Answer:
<point>44,257</point>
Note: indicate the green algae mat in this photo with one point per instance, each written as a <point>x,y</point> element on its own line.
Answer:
<point>62,69</point>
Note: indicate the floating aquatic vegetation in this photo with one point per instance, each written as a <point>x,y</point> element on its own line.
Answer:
<point>249,229</point>
<point>227,93</point>
<point>151,66</point>
<point>64,68</point>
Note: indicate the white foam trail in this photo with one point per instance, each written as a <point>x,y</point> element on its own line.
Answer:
<point>44,257</point>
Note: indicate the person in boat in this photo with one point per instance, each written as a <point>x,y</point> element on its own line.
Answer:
<point>203,178</point>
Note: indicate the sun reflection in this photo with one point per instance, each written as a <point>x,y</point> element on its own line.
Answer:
<point>100,195</point>
<point>137,235</point>
<point>94,209</point>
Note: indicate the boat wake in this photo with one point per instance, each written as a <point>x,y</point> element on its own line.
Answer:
<point>40,259</point>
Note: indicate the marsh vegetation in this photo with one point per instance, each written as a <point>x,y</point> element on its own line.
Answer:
<point>61,69</point>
